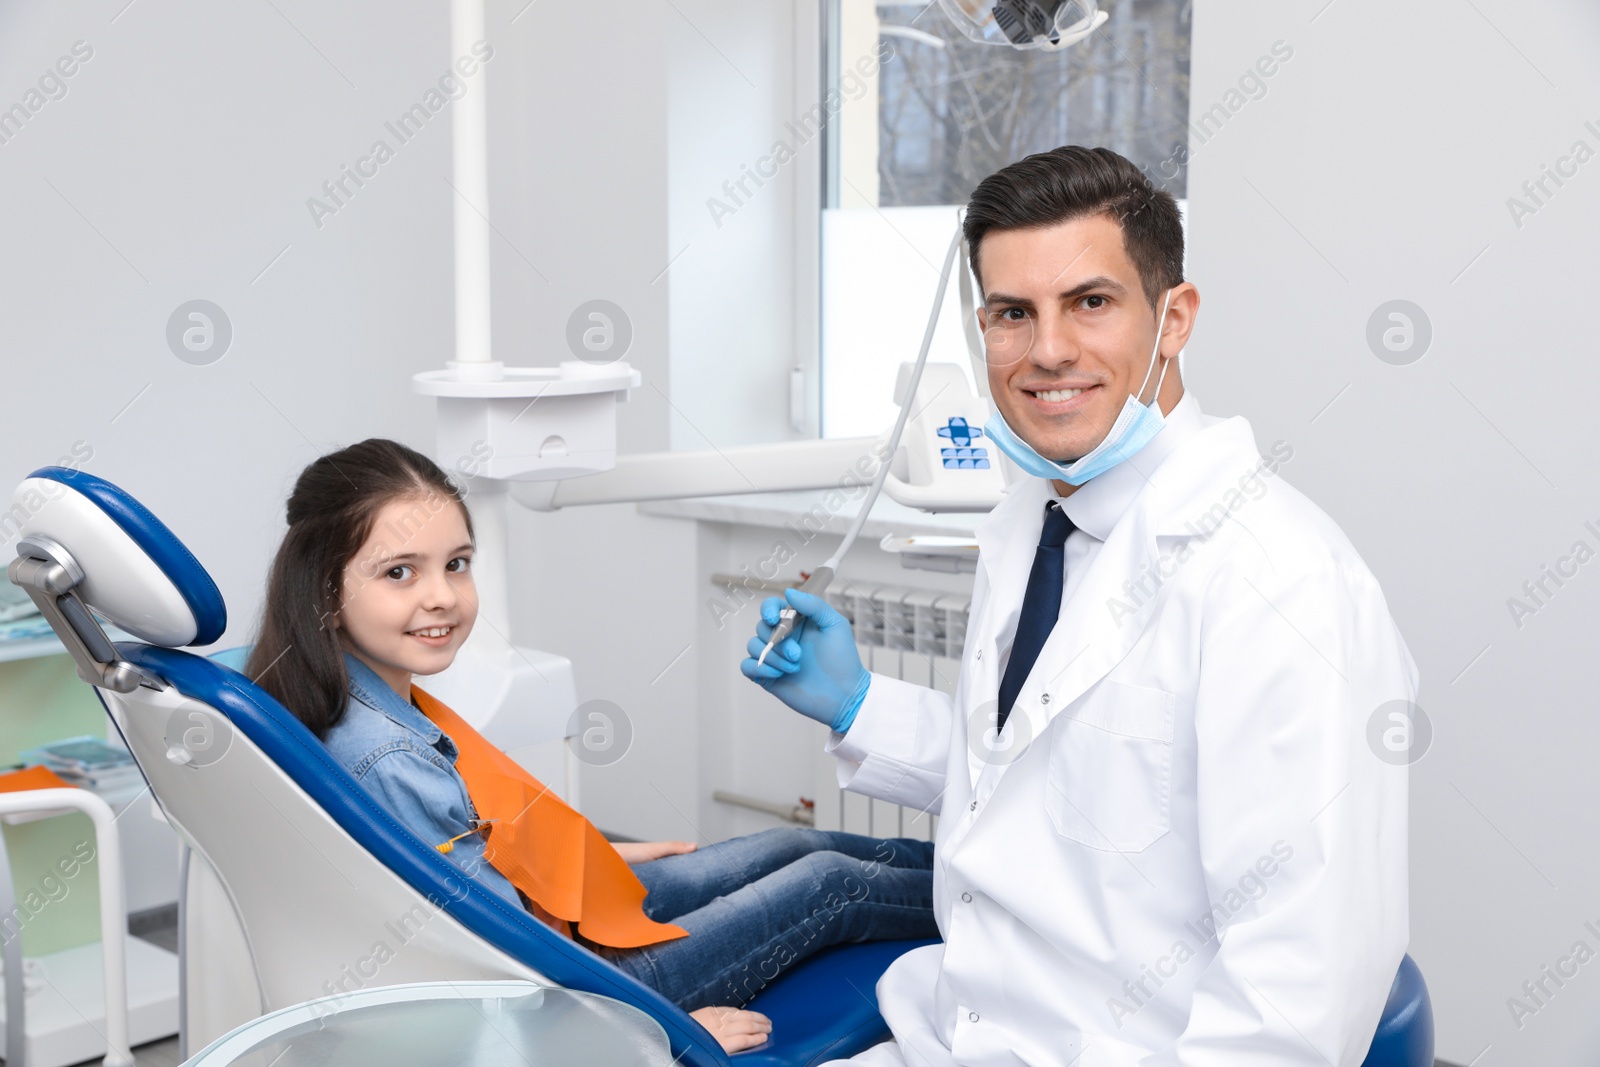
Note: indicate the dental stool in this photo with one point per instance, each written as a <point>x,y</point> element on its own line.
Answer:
<point>1405,1033</point>
<point>299,885</point>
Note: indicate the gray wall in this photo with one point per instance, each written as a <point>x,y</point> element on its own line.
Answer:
<point>177,166</point>
<point>1377,166</point>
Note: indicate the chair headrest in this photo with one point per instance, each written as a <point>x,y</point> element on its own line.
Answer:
<point>136,573</point>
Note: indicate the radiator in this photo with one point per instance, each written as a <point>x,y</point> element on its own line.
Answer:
<point>912,634</point>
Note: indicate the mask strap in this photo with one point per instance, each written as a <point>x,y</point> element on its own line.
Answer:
<point>1155,354</point>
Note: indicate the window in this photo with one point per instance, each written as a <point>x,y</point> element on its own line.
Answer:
<point>951,112</point>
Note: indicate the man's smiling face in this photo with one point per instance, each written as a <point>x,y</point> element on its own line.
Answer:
<point>1069,332</point>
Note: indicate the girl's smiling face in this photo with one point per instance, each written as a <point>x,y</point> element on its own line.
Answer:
<point>407,600</point>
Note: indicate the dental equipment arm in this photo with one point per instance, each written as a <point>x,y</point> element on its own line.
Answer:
<point>818,582</point>
<point>784,466</point>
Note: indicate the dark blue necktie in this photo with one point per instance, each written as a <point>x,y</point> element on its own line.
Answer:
<point>1041,606</point>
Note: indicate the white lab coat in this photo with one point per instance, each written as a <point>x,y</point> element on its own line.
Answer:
<point>1197,859</point>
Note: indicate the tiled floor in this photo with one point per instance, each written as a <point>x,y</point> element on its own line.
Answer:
<point>160,1053</point>
<point>156,1054</point>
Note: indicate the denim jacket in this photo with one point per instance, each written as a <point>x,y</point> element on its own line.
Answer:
<point>409,767</point>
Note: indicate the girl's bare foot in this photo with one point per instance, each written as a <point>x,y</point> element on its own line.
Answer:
<point>734,1028</point>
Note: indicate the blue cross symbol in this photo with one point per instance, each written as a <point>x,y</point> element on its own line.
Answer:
<point>959,432</point>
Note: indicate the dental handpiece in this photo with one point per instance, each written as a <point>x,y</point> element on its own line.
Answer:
<point>817,583</point>
<point>788,618</point>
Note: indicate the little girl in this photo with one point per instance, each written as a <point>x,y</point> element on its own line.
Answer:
<point>373,586</point>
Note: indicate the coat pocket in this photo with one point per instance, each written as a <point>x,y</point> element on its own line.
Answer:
<point>1110,778</point>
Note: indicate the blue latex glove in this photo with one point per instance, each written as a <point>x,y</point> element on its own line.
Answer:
<point>816,670</point>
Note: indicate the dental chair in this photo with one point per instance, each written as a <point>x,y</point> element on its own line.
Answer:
<point>300,885</point>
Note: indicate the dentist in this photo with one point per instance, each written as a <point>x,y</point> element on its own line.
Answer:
<point>1163,837</point>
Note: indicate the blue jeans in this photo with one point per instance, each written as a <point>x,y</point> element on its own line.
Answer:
<point>755,906</point>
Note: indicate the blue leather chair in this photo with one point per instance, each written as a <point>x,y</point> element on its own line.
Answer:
<point>95,546</point>
<point>1405,1034</point>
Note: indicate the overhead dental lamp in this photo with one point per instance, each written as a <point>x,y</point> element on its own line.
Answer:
<point>1047,25</point>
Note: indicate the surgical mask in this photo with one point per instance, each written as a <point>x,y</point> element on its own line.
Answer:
<point>1137,423</point>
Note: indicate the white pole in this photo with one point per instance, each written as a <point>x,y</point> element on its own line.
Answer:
<point>491,559</point>
<point>470,164</point>
<point>474,360</point>
<point>113,914</point>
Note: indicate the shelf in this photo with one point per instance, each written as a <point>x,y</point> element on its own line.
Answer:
<point>30,648</point>
<point>49,645</point>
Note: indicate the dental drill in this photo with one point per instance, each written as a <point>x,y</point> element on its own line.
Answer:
<point>817,583</point>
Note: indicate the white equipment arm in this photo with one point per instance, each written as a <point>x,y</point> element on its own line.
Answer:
<point>789,465</point>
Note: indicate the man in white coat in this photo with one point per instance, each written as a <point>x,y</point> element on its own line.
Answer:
<point>1163,837</point>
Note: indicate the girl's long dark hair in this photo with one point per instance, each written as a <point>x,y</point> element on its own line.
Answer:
<point>298,657</point>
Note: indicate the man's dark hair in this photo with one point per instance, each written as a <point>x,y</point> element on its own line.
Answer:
<point>1073,182</point>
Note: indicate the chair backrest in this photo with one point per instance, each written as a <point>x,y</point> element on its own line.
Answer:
<point>328,891</point>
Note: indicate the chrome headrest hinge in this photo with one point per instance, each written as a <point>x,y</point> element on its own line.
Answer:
<point>49,574</point>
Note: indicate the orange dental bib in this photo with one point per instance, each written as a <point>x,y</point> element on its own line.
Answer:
<point>551,853</point>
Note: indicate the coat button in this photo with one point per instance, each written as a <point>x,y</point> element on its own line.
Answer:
<point>979,655</point>
<point>974,806</point>
<point>1044,698</point>
<point>972,1016</point>
<point>966,898</point>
